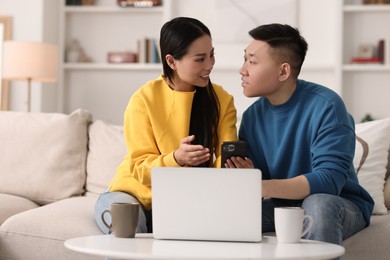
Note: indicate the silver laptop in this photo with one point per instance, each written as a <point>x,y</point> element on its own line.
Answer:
<point>206,204</point>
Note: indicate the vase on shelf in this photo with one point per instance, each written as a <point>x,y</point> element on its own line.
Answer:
<point>73,52</point>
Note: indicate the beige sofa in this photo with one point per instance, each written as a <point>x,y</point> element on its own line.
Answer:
<point>52,168</point>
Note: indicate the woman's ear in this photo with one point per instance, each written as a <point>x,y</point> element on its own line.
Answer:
<point>285,71</point>
<point>170,61</point>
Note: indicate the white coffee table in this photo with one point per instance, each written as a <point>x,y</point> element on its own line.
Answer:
<point>145,247</point>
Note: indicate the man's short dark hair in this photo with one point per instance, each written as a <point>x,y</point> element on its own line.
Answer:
<point>286,42</point>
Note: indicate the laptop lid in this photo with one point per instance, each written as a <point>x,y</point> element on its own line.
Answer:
<point>206,204</point>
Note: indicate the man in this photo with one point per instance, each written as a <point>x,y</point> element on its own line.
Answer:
<point>301,137</point>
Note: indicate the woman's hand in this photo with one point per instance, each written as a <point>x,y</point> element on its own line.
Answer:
<point>191,155</point>
<point>238,162</point>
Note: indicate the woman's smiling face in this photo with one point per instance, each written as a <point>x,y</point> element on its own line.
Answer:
<point>194,68</point>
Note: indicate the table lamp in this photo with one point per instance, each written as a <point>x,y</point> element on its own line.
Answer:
<point>31,61</point>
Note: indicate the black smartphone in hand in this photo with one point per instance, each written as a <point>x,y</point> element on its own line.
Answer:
<point>232,148</point>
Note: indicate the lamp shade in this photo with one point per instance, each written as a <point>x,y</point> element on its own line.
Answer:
<point>34,61</point>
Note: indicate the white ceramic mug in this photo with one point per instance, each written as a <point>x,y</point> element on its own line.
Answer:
<point>289,224</point>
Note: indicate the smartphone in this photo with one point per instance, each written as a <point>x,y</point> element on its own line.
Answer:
<point>232,148</point>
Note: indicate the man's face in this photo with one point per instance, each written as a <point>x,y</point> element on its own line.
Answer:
<point>260,71</point>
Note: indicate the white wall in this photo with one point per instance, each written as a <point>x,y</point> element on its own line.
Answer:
<point>30,23</point>
<point>318,23</point>
<point>230,20</point>
<point>50,34</point>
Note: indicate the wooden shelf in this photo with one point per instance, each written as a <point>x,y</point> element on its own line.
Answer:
<point>110,66</point>
<point>367,8</point>
<point>366,67</point>
<point>111,9</point>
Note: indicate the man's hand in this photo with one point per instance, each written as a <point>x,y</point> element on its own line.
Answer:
<point>238,162</point>
<point>192,155</point>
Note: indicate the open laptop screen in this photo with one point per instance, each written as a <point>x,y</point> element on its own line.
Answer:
<point>206,204</point>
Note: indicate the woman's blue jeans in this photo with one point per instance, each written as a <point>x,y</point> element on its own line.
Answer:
<point>335,218</point>
<point>104,202</point>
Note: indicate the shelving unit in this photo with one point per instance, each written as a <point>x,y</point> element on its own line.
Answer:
<point>102,28</point>
<point>105,27</point>
<point>363,85</point>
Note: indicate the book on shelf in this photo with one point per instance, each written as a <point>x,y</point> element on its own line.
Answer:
<point>386,50</point>
<point>148,50</point>
<point>381,51</point>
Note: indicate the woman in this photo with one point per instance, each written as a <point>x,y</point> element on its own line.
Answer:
<point>178,119</point>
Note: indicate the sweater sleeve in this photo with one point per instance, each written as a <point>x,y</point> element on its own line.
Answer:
<point>332,152</point>
<point>142,144</point>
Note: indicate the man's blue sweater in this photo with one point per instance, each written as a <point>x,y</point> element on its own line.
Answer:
<point>311,134</point>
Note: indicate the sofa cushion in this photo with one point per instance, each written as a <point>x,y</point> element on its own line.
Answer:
<point>370,243</point>
<point>12,205</point>
<point>107,149</point>
<point>40,233</point>
<point>43,155</point>
<point>371,159</point>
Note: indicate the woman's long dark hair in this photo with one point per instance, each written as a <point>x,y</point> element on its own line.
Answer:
<point>176,36</point>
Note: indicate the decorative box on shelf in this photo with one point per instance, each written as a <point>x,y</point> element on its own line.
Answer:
<point>376,2</point>
<point>121,57</point>
<point>80,2</point>
<point>371,53</point>
<point>139,3</point>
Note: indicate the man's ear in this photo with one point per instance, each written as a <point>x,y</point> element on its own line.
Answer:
<point>171,61</point>
<point>285,71</point>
